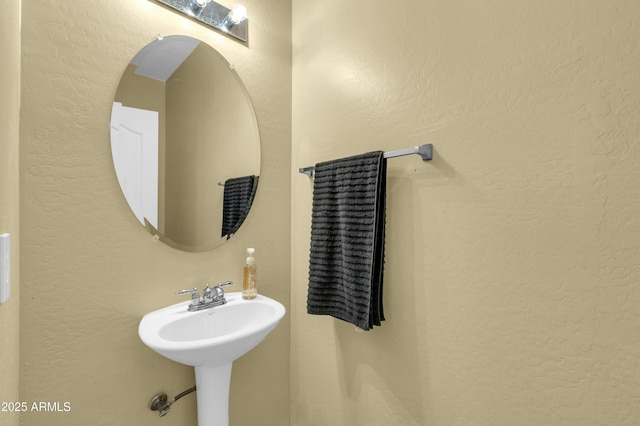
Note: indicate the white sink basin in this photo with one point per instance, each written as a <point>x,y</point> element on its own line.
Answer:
<point>213,336</point>
<point>210,340</point>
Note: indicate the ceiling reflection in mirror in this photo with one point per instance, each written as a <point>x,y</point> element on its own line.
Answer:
<point>185,143</point>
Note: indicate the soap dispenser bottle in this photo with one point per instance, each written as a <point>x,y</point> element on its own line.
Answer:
<point>249,290</point>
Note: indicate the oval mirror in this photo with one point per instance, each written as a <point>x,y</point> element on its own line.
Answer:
<point>185,143</point>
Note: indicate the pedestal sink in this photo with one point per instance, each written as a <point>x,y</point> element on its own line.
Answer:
<point>210,340</point>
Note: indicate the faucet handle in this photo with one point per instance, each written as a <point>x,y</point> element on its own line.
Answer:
<point>195,297</point>
<point>219,291</point>
<point>193,290</point>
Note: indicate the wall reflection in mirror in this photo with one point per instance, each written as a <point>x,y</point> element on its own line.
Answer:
<point>185,143</point>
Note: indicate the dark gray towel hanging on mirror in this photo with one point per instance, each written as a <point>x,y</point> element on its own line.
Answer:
<point>346,261</point>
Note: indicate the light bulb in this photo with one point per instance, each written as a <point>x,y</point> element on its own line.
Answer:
<point>238,14</point>
<point>195,7</point>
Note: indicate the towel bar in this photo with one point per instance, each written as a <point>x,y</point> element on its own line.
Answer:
<point>425,151</point>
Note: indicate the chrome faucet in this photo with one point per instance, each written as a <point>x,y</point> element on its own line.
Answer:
<point>211,297</point>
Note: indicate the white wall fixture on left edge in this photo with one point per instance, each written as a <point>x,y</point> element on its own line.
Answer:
<point>5,260</point>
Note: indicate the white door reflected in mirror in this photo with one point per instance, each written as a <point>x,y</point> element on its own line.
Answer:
<point>134,146</point>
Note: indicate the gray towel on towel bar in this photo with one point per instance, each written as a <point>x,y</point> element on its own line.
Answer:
<point>347,239</point>
<point>237,199</point>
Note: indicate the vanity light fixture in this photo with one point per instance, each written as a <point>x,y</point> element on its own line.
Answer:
<point>232,22</point>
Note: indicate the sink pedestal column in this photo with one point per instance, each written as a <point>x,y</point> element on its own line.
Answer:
<point>212,392</point>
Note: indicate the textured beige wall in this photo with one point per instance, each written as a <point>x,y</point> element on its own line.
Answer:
<point>90,270</point>
<point>512,269</point>
<point>9,200</point>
